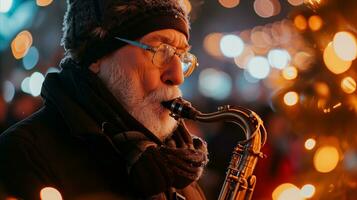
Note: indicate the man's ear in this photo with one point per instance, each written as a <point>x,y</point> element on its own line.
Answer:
<point>95,67</point>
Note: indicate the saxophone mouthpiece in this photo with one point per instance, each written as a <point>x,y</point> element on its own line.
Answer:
<point>180,108</point>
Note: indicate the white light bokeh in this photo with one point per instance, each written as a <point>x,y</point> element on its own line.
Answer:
<point>231,45</point>
<point>5,5</point>
<point>279,58</point>
<point>36,81</point>
<point>214,84</point>
<point>345,45</point>
<point>258,67</point>
<point>8,91</point>
<point>25,85</point>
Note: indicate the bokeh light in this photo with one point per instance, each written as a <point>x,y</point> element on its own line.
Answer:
<point>307,191</point>
<point>291,98</point>
<point>50,193</point>
<point>5,5</point>
<point>25,85</point>
<point>303,60</point>
<point>242,60</point>
<point>348,85</point>
<point>231,45</point>
<point>300,22</point>
<point>36,81</point>
<point>290,73</point>
<point>296,2</point>
<point>43,2</point>
<point>279,58</point>
<point>258,67</point>
<point>310,143</point>
<point>21,44</point>
<point>229,3</point>
<point>214,84</point>
<point>31,58</point>
<point>264,8</point>
<point>211,44</point>
<point>8,91</point>
<point>333,62</point>
<point>326,159</point>
<point>287,191</point>
<point>345,46</point>
<point>315,22</point>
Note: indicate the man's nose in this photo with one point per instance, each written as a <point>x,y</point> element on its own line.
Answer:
<point>173,74</point>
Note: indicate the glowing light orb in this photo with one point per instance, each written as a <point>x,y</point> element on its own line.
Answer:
<point>231,45</point>
<point>315,22</point>
<point>287,191</point>
<point>214,84</point>
<point>307,191</point>
<point>326,159</point>
<point>290,73</point>
<point>25,85</point>
<point>348,85</point>
<point>300,22</point>
<point>291,98</point>
<point>296,2</point>
<point>8,91</point>
<point>310,143</point>
<point>333,62</point>
<point>5,6</point>
<point>229,3</point>
<point>31,58</point>
<point>345,46</point>
<point>36,81</point>
<point>279,58</point>
<point>50,193</point>
<point>258,67</point>
<point>242,60</point>
<point>21,44</point>
<point>43,2</point>
<point>211,44</point>
<point>264,8</point>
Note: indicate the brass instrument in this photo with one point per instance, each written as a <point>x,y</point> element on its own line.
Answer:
<point>239,182</point>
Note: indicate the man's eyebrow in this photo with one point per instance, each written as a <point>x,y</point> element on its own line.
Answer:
<point>168,40</point>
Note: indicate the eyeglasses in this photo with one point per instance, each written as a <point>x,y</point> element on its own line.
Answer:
<point>164,53</point>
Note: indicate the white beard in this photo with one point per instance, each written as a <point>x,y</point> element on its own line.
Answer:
<point>145,109</point>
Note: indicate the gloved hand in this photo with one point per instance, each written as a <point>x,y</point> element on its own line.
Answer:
<point>177,163</point>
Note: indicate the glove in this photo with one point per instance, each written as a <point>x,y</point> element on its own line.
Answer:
<point>177,163</point>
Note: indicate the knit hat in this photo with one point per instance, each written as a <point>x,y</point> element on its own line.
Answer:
<point>90,26</point>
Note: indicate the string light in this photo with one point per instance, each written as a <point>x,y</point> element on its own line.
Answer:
<point>231,45</point>
<point>290,73</point>
<point>300,22</point>
<point>287,191</point>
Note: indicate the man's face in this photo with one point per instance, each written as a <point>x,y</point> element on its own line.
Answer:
<point>140,85</point>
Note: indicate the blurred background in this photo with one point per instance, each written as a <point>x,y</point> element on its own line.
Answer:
<point>291,61</point>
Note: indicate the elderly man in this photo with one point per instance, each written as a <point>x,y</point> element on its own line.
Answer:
<point>102,132</point>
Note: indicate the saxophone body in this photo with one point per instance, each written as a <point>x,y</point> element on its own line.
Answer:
<point>239,182</point>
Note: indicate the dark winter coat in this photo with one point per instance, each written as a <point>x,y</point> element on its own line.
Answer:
<point>65,145</point>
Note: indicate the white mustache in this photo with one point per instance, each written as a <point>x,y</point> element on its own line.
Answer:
<point>164,94</point>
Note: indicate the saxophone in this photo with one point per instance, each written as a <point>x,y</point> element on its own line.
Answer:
<point>239,182</point>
